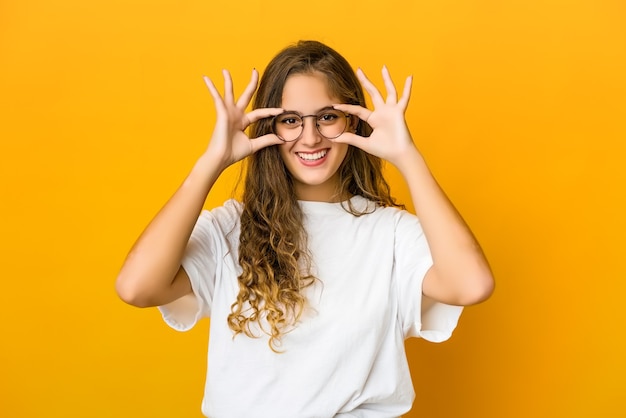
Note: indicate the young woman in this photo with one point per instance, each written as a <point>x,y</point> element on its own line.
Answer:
<point>317,277</point>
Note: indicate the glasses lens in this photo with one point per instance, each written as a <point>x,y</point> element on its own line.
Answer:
<point>331,123</point>
<point>287,126</point>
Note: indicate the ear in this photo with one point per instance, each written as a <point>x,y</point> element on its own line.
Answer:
<point>353,122</point>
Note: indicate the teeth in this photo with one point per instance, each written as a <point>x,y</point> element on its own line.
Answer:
<point>312,156</point>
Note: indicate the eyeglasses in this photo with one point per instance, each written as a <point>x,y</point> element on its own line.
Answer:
<point>330,123</point>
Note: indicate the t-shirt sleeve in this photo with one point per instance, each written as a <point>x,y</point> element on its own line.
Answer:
<point>421,316</point>
<point>205,249</point>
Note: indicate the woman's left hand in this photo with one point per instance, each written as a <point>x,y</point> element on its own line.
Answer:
<point>390,139</point>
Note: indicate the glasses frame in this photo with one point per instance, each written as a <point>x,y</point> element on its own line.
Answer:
<point>317,125</point>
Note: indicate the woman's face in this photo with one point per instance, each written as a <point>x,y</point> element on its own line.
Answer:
<point>312,160</point>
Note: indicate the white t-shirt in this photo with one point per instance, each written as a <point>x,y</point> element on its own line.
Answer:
<point>346,357</point>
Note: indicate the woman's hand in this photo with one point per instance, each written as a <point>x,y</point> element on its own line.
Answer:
<point>229,143</point>
<point>390,139</point>
<point>460,274</point>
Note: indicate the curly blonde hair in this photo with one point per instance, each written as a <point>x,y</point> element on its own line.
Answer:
<point>273,242</point>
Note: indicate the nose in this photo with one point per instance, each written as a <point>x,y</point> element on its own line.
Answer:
<point>310,135</point>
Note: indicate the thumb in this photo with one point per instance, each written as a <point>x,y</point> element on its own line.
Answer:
<point>264,141</point>
<point>352,139</point>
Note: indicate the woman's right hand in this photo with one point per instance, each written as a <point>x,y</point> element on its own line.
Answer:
<point>229,142</point>
<point>152,274</point>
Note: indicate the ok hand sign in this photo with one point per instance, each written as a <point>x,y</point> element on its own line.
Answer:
<point>390,139</point>
<point>229,143</point>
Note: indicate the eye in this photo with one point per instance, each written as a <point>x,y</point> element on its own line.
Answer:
<point>328,118</point>
<point>289,120</point>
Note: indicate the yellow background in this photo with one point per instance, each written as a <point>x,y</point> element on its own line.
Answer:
<point>519,107</point>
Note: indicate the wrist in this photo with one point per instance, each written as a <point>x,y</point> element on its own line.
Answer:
<point>409,160</point>
<point>207,169</point>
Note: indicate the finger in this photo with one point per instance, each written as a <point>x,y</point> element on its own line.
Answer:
<point>217,98</point>
<point>352,139</point>
<point>359,111</point>
<point>229,95</point>
<point>377,98</point>
<point>264,112</point>
<point>244,100</point>
<point>264,141</point>
<point>406,93</point>
<point>392,96</point>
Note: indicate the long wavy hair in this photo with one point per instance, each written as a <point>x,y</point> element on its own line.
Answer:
<point>273,242</point>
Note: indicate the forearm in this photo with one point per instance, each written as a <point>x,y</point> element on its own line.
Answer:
<point>461,274</point>
<point>154,260</point>
<point>151,274</point>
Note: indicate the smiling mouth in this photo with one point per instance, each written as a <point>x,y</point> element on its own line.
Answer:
<point>312,156</point>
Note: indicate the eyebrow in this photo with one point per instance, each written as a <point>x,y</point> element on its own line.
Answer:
<point>316,112</point>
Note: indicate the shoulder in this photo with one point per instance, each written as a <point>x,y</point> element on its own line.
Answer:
<point>230,208</point>
<point>399,217</point>
<point>382,219</point>
<point>226,217</point>
<point>404,225</point>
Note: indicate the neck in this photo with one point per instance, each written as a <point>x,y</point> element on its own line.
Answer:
<point>328,192</point>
